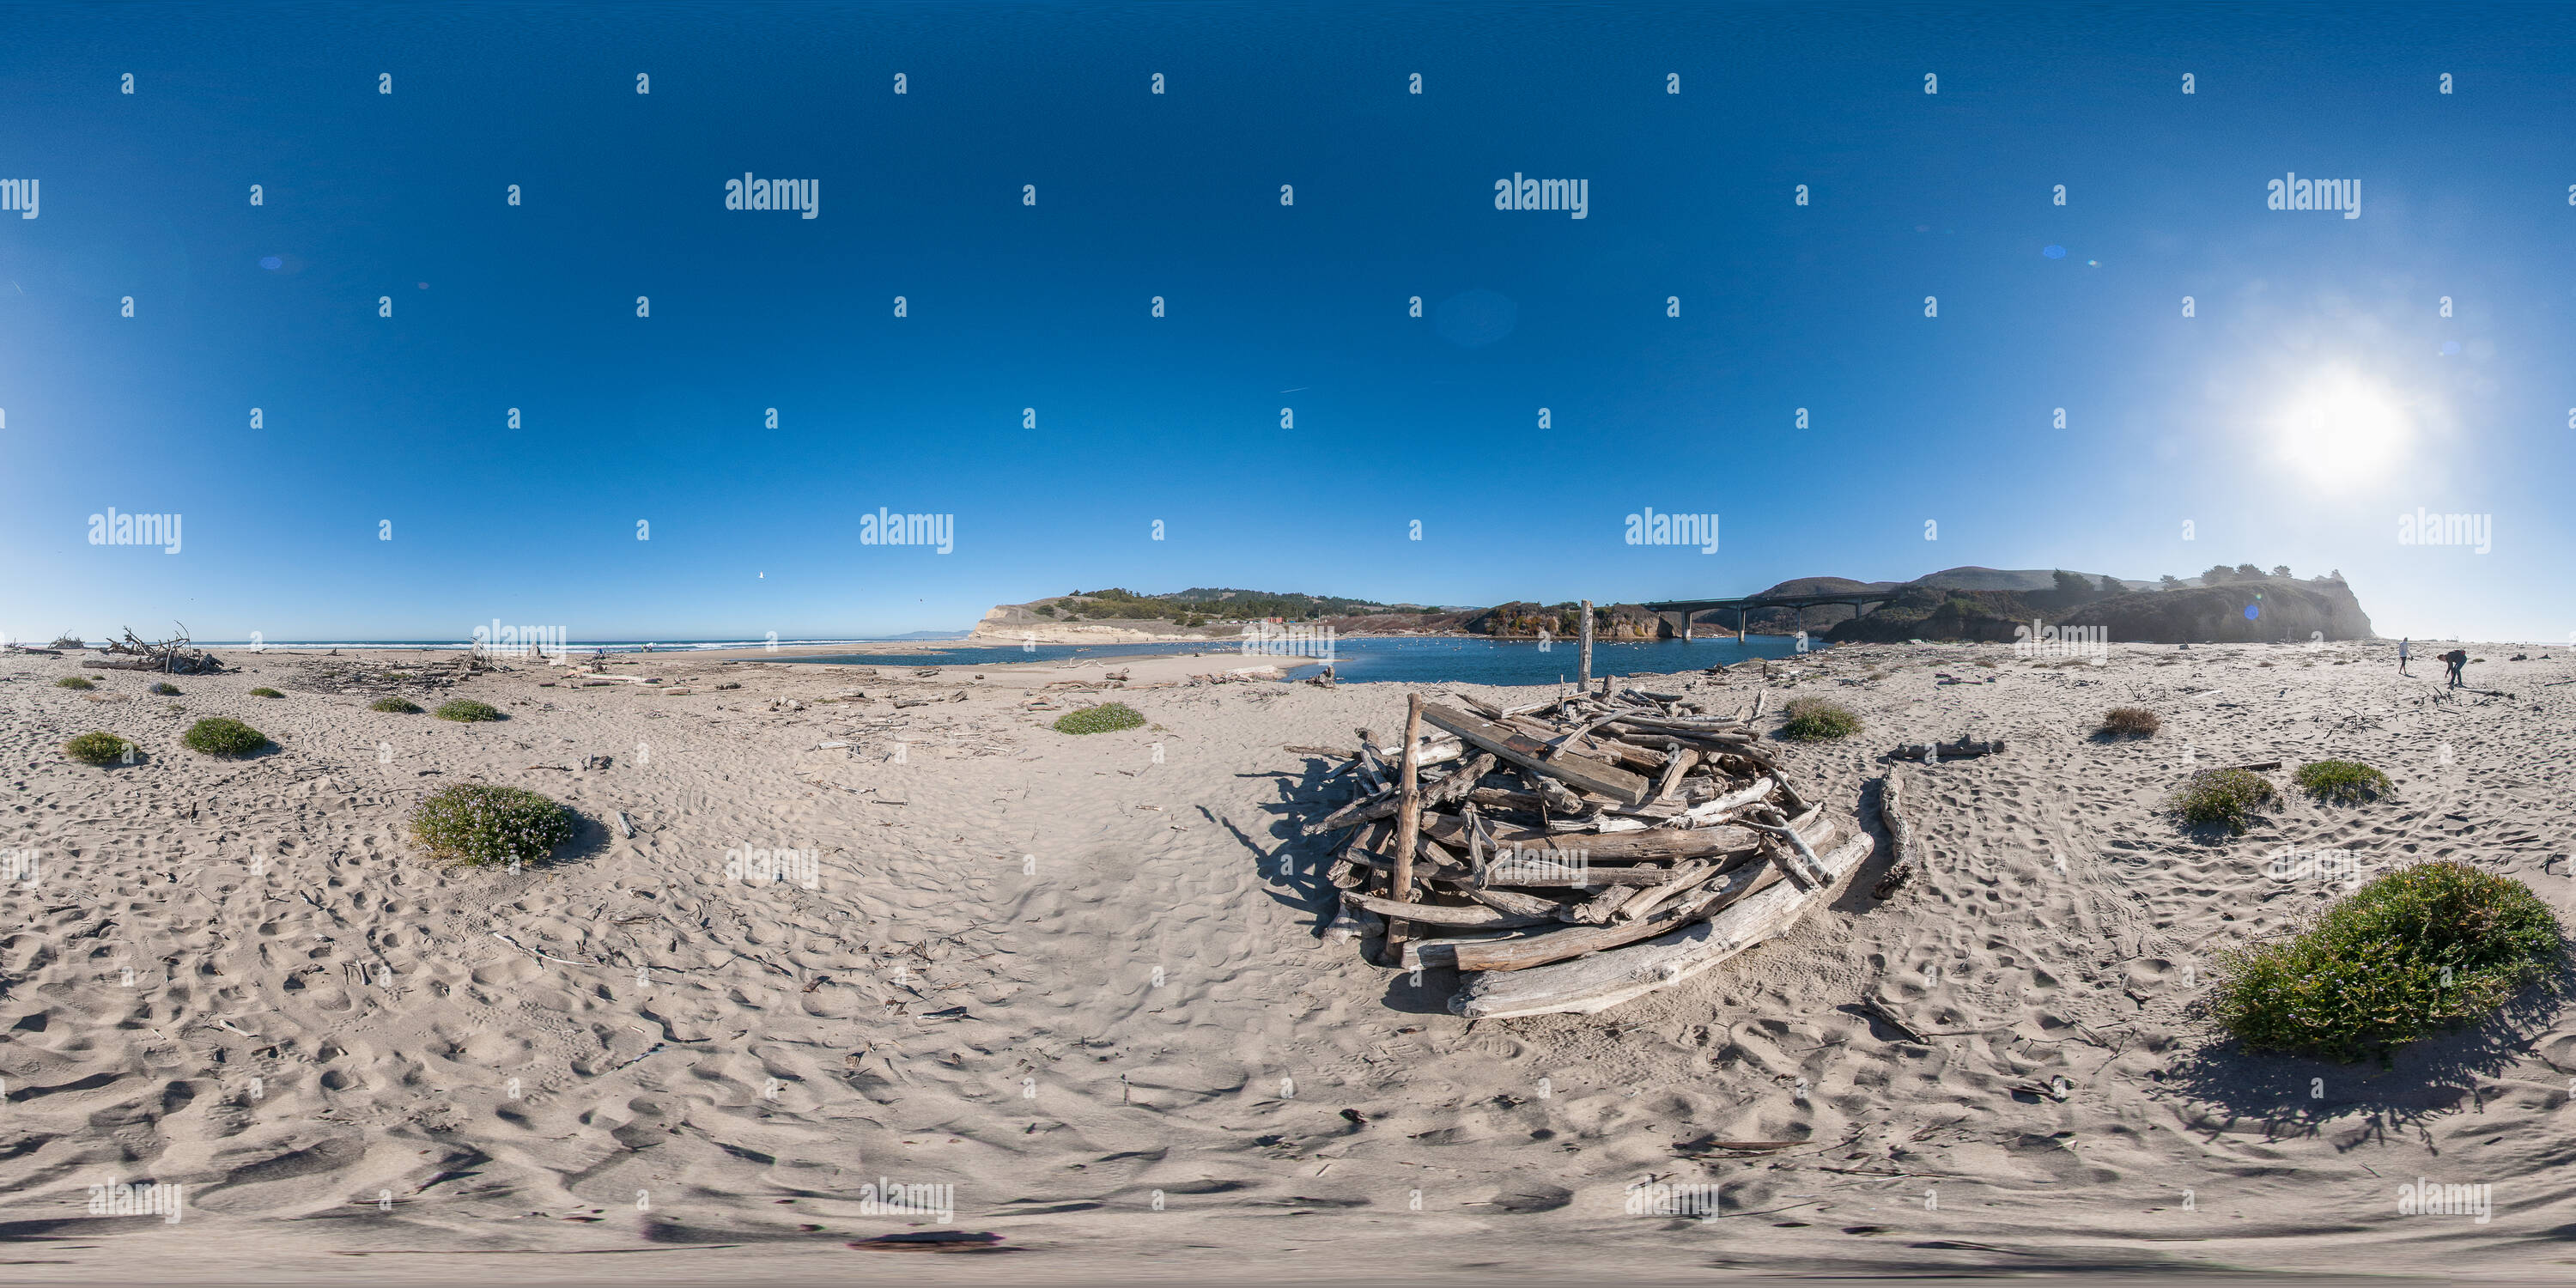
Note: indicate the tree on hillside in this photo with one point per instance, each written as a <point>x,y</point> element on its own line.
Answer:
<point>2218,575</point>
<point>2111,585</point>
<point>2280,570</point>
<point>2248,571</point>
<point>2169,582</point>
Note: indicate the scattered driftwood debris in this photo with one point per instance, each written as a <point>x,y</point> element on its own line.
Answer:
<point>1574,853</point>
<point>174,656</point>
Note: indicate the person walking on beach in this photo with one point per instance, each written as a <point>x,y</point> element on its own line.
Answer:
<point>2458,657</point>
<point>2401,654</point>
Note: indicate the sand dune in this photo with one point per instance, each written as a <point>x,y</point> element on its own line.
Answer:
<point>1079,981</point>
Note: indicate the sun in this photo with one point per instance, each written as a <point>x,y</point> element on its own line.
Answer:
<point>2344,428</point>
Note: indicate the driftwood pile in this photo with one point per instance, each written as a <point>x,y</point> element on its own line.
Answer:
<point>352,676</point>
<point>174,656</point>
<point>1575,853</point>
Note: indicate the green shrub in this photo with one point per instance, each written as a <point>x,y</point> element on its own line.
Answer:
<point>1814,719</point>
<point>476,824</point>
<point>2341,782</point>
<point>223,736</point>
<point>163,687</point>
<point>2227,797</point>
<point>74,682</point>
<point>2422,948</point>
<point>264,691</point>
<point>401,707</point>
<point>1100,719</point>
<point>468,709</point>
<point>97,748</point>
<point>2131,722</point>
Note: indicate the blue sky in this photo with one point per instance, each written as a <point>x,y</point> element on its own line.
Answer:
<point>2302,318</point>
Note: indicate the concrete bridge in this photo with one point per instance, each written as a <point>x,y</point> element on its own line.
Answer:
<point>1690,608</point>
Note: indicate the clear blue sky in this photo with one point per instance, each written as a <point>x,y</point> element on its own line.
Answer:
<point>2169,419</point>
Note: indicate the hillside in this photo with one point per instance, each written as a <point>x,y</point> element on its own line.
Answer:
<point>2286,609</point>
<point>1938,613</point>
<point>1965,603</point>
<point>1120,616</point>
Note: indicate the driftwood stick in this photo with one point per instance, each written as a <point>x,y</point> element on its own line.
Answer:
<point>1475,916</point>
<point>1874,1007</point>
<point>1797,859</point>
<point>1408,825</point>
<point>1678,761</point>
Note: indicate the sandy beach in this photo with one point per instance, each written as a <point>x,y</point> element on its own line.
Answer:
<point>1080,981</point>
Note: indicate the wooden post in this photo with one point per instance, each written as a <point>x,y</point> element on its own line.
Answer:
<point>1408,828</point>
<point>1584,678</point>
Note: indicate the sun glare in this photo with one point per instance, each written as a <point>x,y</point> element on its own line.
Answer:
<point>2344,429</point>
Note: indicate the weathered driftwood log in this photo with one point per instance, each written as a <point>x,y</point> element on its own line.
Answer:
<point>1514,903</point>
<point>1602,981</point>
<point>1421,953</point>
<point>1900,835</point>
<point>1960,750</point>
<point>1530,754</point>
